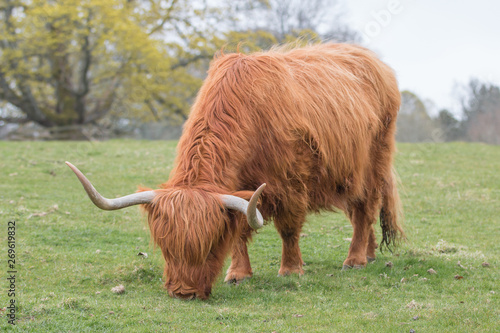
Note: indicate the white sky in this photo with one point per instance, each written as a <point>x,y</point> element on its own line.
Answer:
<point>434,46</point>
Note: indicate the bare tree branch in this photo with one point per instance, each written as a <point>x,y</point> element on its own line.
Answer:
<point>87,60</point>
<point>8,94</point>
<point>31,108</point>
<point>185,62</point>
<point>165,19</point>
<point>103,105</point>
<point>152,109</point>
<point>14,120</point>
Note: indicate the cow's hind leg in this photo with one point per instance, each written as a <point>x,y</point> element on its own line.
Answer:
<point>289,227</point>
<point>363,244</point>
<point>372,245</point>
<point>240,268</point>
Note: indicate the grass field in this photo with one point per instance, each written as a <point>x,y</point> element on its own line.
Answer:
<point>69,254</point>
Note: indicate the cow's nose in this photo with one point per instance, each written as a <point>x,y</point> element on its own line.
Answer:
<point>185,297</point>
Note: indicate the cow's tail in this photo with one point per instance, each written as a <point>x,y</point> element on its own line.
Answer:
<point>391,213</point>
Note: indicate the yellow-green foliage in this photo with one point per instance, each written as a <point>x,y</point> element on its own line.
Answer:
<point>98,52</point>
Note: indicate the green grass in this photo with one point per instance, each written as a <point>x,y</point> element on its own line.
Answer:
<point>69,256</point>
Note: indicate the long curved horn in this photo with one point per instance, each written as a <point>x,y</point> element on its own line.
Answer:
<point>111,204</point>
<point>249,208</point>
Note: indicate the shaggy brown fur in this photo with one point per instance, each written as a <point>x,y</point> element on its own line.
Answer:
<point>316,124</point>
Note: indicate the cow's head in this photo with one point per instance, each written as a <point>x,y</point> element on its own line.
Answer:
<point>191,226</point>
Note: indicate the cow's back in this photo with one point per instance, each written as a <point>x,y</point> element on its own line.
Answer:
<point>285,117</point>
<point>334,98</point>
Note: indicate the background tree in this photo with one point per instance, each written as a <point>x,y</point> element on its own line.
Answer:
<point>72,62</point>
<point>481,109</point>
<point>290,21</point>
<point>292,18</point>
<point>414,123</point>
<point>451,127</point>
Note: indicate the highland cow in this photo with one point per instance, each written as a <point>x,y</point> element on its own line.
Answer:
<point>315,124</point>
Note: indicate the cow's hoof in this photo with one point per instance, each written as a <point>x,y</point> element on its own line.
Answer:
<point>233,282</point>
<point>346,267</point>
<point>370,259</point>
<point>289,271</point>
<point>354,263</point>
<point>236,278</point>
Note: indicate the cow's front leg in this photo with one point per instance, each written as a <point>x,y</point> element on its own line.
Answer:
<point>289,229</point>
<point>240,268</point>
